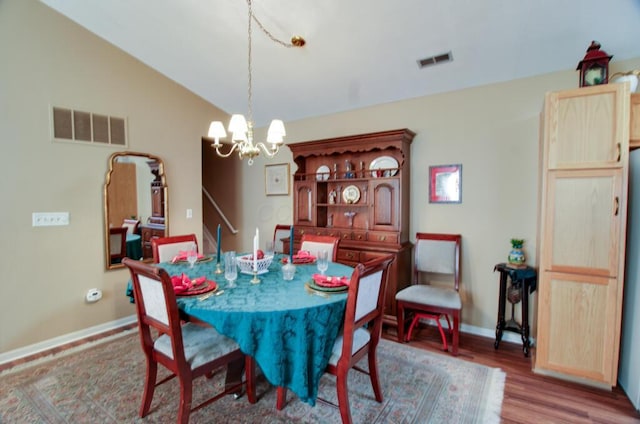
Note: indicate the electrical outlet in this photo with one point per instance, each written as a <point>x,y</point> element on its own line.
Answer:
<point>47,219</point>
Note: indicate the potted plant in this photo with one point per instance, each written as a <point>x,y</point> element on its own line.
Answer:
<point>516,255</point>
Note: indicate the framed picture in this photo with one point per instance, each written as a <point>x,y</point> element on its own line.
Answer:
<point>445,184</point>
<point>276,179</point>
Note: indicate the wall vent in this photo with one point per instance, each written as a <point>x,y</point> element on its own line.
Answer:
<point>88,128</point>
<point>434,60</point>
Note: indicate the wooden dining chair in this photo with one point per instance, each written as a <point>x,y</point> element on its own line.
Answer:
<point>314,244</point>
<point>132,225</point>
<point>166,248</point>
<point>434,293</point>
<point>281,231</point>
<point>117,244</point>
<point>360,333</point>
<point>186,349</point>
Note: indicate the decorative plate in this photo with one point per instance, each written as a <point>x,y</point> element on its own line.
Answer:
<point>322,173</point>
<point>204,287</point>
<point>351,194</point>
<point>383,163</point>
<point>313,286</point>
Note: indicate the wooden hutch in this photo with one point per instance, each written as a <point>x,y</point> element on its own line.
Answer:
<point>155,226</point>
<point>357,188</point>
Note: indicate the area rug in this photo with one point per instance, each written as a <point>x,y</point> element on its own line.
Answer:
<point>102,383</point>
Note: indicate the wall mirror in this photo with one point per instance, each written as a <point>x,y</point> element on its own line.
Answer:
<point>135,207</point>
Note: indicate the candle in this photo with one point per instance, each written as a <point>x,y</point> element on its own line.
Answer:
<point>255,252</point>
<point>291,245</point>
<point>219,242</point>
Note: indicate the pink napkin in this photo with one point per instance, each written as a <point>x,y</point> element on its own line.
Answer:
<point>182,256</point>
<point>328,281</point>
<point>302,257</point>
<point>182,283</point>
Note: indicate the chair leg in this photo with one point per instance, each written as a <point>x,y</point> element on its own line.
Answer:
<point>282,397</point>
<point>373,374</point>
<point>149,387</point>
<point>456,334</point>
<point>414,322</point>
<point>400,319</point>
<point>343,397</point>
<point>250,375</point>
<point>444,337</point>
<point>186,386</point>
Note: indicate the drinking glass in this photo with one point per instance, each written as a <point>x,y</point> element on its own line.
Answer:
<point>323,261</point>
<point>268,248</point>
<point>230,268</point>
<point>192,255</point>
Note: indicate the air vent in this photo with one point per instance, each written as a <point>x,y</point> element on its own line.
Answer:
<point>88,128</point>
<point>434,60</point>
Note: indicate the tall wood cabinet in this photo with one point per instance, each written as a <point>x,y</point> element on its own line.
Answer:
<point>584,170</point>
<point>357,188</point>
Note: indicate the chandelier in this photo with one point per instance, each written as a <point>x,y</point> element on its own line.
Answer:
<point>241,129</point>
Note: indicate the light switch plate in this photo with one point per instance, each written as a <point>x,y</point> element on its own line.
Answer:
<point>47,219</point>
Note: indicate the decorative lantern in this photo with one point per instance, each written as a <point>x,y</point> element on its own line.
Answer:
<point>594,67</point>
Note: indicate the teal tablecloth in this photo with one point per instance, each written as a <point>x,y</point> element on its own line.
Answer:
<point>289,332</point>
<point>134,246</point>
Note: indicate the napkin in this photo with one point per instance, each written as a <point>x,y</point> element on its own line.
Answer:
<point>182,256</point>
<point>302,257</point>
<point>182,283</point>
<point>329,281</point>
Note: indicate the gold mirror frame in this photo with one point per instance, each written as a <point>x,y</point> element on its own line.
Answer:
<point>157,181</point>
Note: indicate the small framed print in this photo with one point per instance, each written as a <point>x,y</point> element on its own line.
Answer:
<point>445,184</point>
<point>276,179</point>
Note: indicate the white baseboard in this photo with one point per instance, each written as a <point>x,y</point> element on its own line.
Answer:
<point>12,355</point>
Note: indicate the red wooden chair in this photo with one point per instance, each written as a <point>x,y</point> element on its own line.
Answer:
<point>166,248</point>
<point>314,243</point>
<point>436,256</point>
<point>188,351</point>
<point>281,231</point>
<point>132,226</point>
<point>360,333</point>
<point>117,244</point>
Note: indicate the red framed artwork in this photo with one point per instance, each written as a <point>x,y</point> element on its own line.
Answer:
<point>445,184</point>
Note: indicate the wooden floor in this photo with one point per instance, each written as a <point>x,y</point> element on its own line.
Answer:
<point>531,398</point>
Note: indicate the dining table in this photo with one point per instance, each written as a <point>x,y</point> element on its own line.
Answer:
<point>134,246</point>
<point>287,328</point>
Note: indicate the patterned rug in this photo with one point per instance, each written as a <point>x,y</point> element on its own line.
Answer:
<point>102,383</point>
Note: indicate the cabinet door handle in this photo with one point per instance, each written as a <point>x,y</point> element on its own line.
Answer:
<point>618,151</point>
<point>616,206</point>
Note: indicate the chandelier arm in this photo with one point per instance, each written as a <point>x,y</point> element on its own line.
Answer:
<point>225,155</point>
<point>269,152</point>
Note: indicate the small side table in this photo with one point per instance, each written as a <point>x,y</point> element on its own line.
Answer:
<point>524,280</point>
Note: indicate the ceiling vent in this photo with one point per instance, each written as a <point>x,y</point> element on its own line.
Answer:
<point>434,60</point>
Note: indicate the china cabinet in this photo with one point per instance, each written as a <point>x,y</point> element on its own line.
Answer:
<point>584,170</point>
<point>357,188</point>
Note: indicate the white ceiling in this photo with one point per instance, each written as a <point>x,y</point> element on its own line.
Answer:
<point>359,52</point>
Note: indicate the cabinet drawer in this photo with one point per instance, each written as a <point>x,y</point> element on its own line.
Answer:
<point>383,237</point>
<point>359,235</point>
<point>346,255</point>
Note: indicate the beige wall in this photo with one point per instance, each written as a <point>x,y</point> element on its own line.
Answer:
<point>46,271</point>
<point>492,131</point>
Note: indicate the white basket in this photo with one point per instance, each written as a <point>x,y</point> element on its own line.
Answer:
<point>245,263</point>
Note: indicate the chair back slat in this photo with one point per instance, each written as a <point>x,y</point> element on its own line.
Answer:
<point>435,256</point>
<point>281,231</point>
<point>314,244</point>
<point>153,299</point>
<point>368,294</point>
<point>166,248</point>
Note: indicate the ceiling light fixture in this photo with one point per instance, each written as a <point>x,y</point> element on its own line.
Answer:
<point>240,128</point>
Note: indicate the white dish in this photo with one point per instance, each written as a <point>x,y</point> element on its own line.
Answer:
<point>322,173</point>
<point>383,163</point>
<point>351,194</point>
